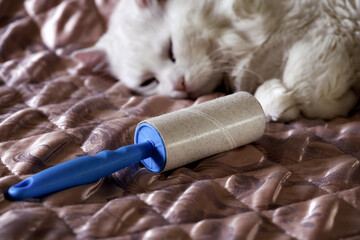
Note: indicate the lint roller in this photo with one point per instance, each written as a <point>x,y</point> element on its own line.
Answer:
<point>161,143</point>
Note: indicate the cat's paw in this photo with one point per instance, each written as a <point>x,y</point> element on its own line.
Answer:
<point>278,103</point>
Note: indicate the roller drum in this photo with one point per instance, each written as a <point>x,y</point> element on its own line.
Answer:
<point>206,129</point>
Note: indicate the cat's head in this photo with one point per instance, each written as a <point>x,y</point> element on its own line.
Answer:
<point>161,47</point>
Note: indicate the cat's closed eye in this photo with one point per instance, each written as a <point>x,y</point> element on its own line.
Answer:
<point>148,82</point>
<point>171,53</point>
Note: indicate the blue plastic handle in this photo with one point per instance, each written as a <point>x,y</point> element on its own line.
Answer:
<point>80,171</point>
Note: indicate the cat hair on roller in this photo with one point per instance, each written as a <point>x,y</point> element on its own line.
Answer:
<point>161,143</point>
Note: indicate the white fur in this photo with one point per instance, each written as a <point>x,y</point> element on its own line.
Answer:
<point>308,50</point>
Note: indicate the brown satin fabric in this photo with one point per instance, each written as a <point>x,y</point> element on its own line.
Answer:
<point>301,180</point>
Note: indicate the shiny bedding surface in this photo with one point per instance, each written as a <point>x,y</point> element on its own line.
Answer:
<point>301,180</point>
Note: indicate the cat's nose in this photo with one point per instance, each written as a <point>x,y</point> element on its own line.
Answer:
<point>180,85</point>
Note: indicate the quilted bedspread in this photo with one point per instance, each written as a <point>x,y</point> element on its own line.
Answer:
<point>301,180</point>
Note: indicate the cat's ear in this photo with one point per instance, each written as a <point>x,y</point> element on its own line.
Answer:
<point>92,58</point>
<point>149,3</point>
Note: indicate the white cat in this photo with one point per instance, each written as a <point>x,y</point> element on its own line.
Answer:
<point>296,57</point>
